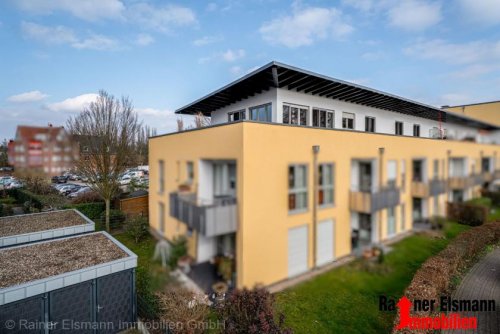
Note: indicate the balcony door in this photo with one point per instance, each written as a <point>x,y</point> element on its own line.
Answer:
<point>418,171</point>
<point>224,179</point>
<point>365,176</point>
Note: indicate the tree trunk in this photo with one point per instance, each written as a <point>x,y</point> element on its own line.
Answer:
<point>107,213</point>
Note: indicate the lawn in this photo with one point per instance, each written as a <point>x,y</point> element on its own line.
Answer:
<point>345,300</point>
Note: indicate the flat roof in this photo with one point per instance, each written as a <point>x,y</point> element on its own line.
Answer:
<point>41,260</point>
<point>470,104</point>
<point>22,224</point>
<point>279,75</point>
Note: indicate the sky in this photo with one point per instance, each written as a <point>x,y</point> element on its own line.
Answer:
<point>56,55</point>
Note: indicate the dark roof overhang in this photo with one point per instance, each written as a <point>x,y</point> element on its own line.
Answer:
<point>278,75</point>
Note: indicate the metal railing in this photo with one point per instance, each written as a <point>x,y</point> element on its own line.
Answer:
<point>369,202</point>
<point>209,219</point>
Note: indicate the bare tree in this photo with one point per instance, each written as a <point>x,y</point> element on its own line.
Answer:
<point>107,131</point>
<point>201,120</point>
<point>180,124</point>
<point>141,145</point>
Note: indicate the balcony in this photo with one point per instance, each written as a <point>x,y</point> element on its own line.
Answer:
<point>370,202</point>
<point>460,182</point>
<point>487,176</point>
<point>496,174</point>
<point>209,219</point>
<point>428,189</point>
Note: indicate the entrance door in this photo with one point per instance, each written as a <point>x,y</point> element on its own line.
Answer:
<point>365,176</point>
<point>297,250</point>
<point>362,236</point>
<point>325,242</point>
<point>417,210</point>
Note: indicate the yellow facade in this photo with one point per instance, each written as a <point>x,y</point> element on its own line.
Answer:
<point>488,112</point>
<point>263,152</point>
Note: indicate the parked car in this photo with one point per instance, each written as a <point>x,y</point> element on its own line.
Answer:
<point>68,188</point>
<point>14,185</point>
<point>80,192</point>
<point>6,169</point>
<point>60,179</point>
<point>74,177</point>
<point>5,181</point>
<point>125,179</point>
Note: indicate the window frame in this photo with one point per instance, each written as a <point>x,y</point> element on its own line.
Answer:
<point>318,111</point>
<point>344,126</point>
<point>295,191</point>
<point>374,123</point>
<point>240,112</point>
<point>299,113</point>
<point>322,186</point>
<point>254,108</point>
<point>396,123</point>
<point>417,128</point>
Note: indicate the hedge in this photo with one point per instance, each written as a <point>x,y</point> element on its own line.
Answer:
<point>22,196</point>
<point>493,195</point>
<point>467,214</point>
<point>91,210</point>
<point>435,276</point>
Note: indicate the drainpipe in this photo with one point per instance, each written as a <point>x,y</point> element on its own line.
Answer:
<point>381,151</point>
<point>315,202</point>
<point>447,174</point>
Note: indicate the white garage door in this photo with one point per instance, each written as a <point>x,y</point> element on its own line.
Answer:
<point>325,238</point>
<point>297,250</point>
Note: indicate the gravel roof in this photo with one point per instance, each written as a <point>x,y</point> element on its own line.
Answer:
<point>37,261</point>
<point>14,225</point>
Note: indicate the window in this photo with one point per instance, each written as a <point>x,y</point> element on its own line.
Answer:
<point>436,205</point>
<point>224,179</point>
<point>323,118</point>
<point>236,115</point>
<point>325,189</point>
<point>403,217</point>
<point>391,222</point>
<point>297,187</point>
<point>416,130</point>
<point>399,128</point>
<point>161,216</point>
<point>403,174</point>
<point>347,120</point>
<point>370,124</point>
<point>295,115</point>
<point>261,113</point>
<point>392,166</point>
<point>436,169</point>
<point>190,171</point>
<point>161,176</point>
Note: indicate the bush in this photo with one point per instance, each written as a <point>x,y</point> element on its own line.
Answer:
<point>468,214</point>
<point>494,196</point>
<point>147,302</point>
<point>179,249</point>
<point>91,210</point>
<point>437,222</point>
<point>137,228</point>
<point>251,311</point>
<point>24,196</point>
<point>90,197</point>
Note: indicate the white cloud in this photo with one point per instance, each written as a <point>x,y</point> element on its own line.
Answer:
<point>97,42</point>
<point>73,104</point>
<point>455,53</point>
<point>32,96</point>
<point>90,10</point>
<point>144,39</point>
<point>162,19</point>
<point>414,15</point>
<point>233,55</point>
<point>481,11</point>
<point>48,35</point>
<point>306,26</point>
<point>373,55</point>
<point>364,5</point>
<point>205,40</point>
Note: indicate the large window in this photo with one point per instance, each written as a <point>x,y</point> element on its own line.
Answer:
<point>190,172</point>
<point>323,118</point>
<point>236,115</point>
<point>325,189</point>
<point>261,113</point>
<point>161,176</point>
<point>391,222</point>
<point>348,120</point>
<point>297,187</point>
<point>416,130</point>
<point>296,115</point>
<point>370,124</point>
<point>392,167</point>
<point>399,128</point>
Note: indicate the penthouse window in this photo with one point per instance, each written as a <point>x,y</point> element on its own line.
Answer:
<point>261,113</point>
<point>236,115</point>
<point>323,118</point>
<point>370,124</point>
<point>398,128</point>
<point>295,115</point>
<point>416,130</point>
<point>348,120</point>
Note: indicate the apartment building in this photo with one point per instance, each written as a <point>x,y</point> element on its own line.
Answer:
<point>484,111</point>
<point>299,169</point>
<point>47,149</point>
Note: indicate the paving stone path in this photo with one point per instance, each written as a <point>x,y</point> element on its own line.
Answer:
<point>482,282</point>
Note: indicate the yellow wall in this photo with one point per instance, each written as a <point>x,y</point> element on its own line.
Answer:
<point>263,153</point>
<point>487,112</point>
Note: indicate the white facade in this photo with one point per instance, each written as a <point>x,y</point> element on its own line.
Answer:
<point>384,120</point>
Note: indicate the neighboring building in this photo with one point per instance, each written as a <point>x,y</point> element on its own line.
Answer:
<point>47,149</point>
<point>245,186</point>
<point>483,111</point>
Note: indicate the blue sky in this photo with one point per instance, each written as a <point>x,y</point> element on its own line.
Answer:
<point>56,54</point>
